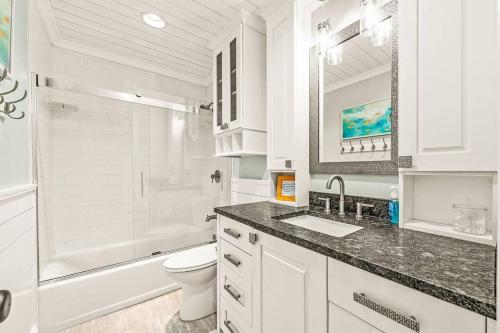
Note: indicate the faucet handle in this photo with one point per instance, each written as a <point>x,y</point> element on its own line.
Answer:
<point>359,210</point>
<point>327,204</point>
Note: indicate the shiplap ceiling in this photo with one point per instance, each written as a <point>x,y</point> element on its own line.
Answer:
<point>360,60</point>
<point>113,29</point>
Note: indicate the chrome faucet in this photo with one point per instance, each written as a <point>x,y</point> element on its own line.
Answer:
<point>342,192</point>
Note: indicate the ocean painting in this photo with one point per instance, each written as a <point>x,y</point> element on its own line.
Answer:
<point>5,32</point>
<point>367,120</point>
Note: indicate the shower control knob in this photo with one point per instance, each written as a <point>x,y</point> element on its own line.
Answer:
<point>216,176</point>
<point>5,304</point>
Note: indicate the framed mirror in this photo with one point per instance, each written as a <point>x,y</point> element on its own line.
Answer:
<point>353,100</point>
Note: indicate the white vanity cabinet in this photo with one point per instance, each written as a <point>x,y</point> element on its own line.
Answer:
<point>268,285</point>
<point>239,86</point>
<point>292,287</point>
<point>287,86</point>
<point>284,290</point>
<point>390,307</point>
<point>448,84</point>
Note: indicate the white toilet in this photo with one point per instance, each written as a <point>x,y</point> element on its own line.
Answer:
<point>196,271</point>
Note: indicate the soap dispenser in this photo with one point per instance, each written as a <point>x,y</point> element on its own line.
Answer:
<point>394,205</point>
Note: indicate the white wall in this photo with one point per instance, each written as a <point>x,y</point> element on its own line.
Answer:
<point>359,185</point>
<point>18,259</point>
<point>18,265</point>
<point>15,147</point>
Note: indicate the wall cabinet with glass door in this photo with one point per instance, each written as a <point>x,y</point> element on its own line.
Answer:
<point>239,88</point>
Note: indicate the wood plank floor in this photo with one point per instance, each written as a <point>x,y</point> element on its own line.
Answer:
<point>149,317</point>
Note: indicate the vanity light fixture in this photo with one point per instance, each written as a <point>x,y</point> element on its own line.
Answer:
<point>322,39</point>
<point>368,17</point>
<point>371,24</point>
<point>153,20</point>
<point>381,33</point>
<point>334,55</point>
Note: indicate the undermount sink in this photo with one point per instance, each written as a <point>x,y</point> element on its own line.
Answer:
<point>329,227</point>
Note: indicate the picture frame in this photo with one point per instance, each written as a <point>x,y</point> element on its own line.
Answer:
<point>366,120</point>
<point>6,33</point>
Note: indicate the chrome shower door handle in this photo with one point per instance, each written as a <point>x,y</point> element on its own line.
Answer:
<point>232,260</point>
<point>232,233</point>
<point>142,184</point>
<point>407,321</point>
<point>233,294</point>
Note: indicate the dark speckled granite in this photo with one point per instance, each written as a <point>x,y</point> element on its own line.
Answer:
<point>459,272</point>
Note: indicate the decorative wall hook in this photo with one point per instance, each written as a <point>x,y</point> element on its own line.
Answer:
<point>352,147</point>
<point>362,148</point>
<point>4,74</point>
<point>373,145</point>
<point>16,84</point>
<point>342,149</point>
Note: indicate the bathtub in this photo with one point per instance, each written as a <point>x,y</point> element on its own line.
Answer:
<point>70,301</point>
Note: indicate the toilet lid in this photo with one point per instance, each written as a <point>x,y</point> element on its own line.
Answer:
<point>192,259</point>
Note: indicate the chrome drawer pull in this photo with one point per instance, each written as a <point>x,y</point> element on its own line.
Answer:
<point>232,260</point>
<point>232,233</point>
<point>227,323</point>
<point>233,294</point>
<point>399,318</point>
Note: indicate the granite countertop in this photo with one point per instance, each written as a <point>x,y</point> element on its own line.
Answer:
<point>456,271</point>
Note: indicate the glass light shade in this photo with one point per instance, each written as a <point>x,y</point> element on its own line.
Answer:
<point>334,55</point>
<point>369,17</point>
<point>381,33</point>
<point>322,39</point>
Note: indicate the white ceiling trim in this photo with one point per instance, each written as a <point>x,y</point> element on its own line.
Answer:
<point>56,39</point>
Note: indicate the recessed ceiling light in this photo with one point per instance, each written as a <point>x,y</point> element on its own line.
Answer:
<point>153,20</point>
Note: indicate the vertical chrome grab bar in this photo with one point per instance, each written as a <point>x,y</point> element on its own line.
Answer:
<point>407,321</point>
<point>142,184</point>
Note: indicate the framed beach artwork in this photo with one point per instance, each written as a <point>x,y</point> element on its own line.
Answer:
<point>366,120</point>
<point>5,32</point>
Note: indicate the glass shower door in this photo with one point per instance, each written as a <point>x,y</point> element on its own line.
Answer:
<point>86,177</point>
<point>119,181</point>
<point>180,188</point>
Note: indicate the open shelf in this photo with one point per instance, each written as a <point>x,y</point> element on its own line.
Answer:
<point>427,199</point>
<point>447,230</point>
<point>240,142</point>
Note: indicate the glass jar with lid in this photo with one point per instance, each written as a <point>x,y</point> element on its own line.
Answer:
<point>470,218</point>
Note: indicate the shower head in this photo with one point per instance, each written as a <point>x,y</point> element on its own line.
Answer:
<point>208,107</point>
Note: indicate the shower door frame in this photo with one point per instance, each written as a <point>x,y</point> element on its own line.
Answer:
<point>37,82</point>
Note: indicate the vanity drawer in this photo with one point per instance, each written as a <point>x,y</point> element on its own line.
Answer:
<point>374,299</point>
<point>237,260</point>
<point>237,293</point>
<point>236,233</point>
<point>341,321</point>
<point>230,320</point>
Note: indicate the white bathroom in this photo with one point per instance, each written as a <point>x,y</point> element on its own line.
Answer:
<point>249,166</point>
